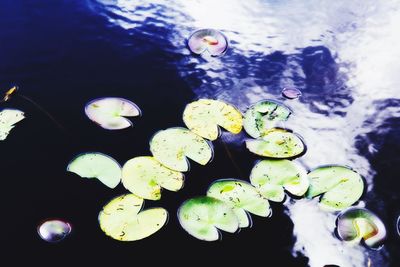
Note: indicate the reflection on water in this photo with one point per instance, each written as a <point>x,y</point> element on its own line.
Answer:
<point>342,55</point>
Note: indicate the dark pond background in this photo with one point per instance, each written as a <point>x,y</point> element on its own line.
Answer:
<point>343,55</point>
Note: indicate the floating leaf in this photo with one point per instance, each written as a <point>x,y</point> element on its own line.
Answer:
<point>208,40</point>
<point>355,224</point>
<point>110,112</point>
<point>291,93</point>
<point>121,219</point>
<point>242,196</point>
<point>144,177</point>
<point>277,143</point>
<point>8,118</point>
<point>271,177</point>
<point>97,165</point>
<point>341,187</point>
<point>205,115</point>
<point>260,118</point>
<point>171,147</point>
<point>54,231</point>
<point>201,217</point>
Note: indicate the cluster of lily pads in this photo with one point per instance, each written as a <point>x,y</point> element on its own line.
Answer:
<point>228,202</point>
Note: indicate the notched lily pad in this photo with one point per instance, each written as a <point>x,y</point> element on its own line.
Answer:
<point>263,116</point>
<point>201,217</point>
<point>121,219</point>
<point>278,144</point>
<point>110,112</point>
<point>97,165</point>
<point>205,115</point>
<point>272,177</point>
<point>357,224</point>
<point>172,147</point>
<point>208,40</point>
<point>145,176</point>
<point>339,186</point>
<point>8,119</point>
<point>242,196</point>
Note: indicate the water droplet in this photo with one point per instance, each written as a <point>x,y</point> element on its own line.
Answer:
<point>291,93</point>
<point>398,225</point>
<point>54,230</point>
<point>357,224</point>
<point>208,40</point>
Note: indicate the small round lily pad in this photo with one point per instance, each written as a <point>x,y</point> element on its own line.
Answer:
<point>201,217</point>
<point>145,176</point>
<point>121,219</point>
<point>205,115</point>
<point>208,40</point>
<point>110,112</point>
<point>172,147</point>
<point>339,186</point>
<point>8,119</point>
<point>278,144</point>
<point>356,224</point>
<point>271,177</point>
<point>242,196</point>
<point>263,116</point>
<point>97,165</point>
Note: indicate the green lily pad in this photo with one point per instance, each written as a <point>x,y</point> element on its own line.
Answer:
<point>97,165</point>
<point>201,217</point>
<point>260,118</point>
<point>205,115</point>
<point>355,224</point>
<point>8,119</point>
<point>144,177</point>
<point>172,147</point>
<point>121,219</point>
<point>110,112</point>
<point>242,196</point>
<point>271,177</point>
<point>339,186</point>
<point>277,143</point>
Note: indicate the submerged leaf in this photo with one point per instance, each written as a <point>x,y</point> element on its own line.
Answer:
<point>277,143</point>
<point>205,115</point>
<point>260,118</point>
<point>121,219</point>
<point>271,177</point>
<point>144,177</point>
<point>201,217</point>
<point>355,224</point>
<point>97,165</point>
<point>340,186</point>
<point>242,196</point>
<point>171,147</point>
<point>110,112</point>
<point>208,40</point>
<point>8,118</point>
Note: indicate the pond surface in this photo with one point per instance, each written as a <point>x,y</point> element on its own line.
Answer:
<point>342,55</point>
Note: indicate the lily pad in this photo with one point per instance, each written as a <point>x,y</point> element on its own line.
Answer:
<point>121,219</point>
<point>242,196</point>
<point>205,115</point>
<point>356,224</point>
<point>201,217</point>
<point>8,119</point>
<point>208,40</point>
<point>278,144</point>
<point>110,112</point>
<point>97,165</point>
<point>339,186</point>
<point>263,116</point>
<point>144,177</point>
<point>172,147</point>
<point>272,177</point>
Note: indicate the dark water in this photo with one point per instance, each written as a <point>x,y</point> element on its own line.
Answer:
<point>342,55</point>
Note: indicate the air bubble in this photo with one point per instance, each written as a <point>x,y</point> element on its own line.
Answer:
<point>54,231</point>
